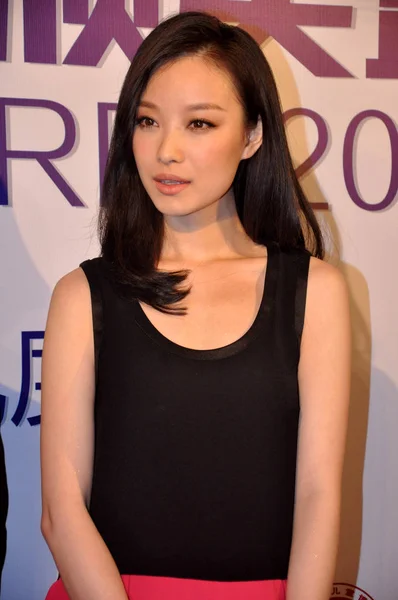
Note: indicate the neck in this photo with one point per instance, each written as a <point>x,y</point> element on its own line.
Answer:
<point>214,233</point>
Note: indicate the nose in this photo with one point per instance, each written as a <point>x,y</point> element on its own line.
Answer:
<point>170,148</point>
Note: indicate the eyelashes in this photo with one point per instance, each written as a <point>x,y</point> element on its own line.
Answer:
<point>148,123</point>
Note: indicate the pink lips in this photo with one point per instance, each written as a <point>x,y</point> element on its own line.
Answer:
<point>170,189</point>
<point>169,177</point>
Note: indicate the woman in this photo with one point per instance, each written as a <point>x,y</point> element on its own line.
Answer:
<point>176,365</point>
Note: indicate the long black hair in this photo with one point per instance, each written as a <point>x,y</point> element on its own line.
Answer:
<point>269,200</point>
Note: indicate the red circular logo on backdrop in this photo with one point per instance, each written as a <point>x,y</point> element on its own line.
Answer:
<point>346,591</point>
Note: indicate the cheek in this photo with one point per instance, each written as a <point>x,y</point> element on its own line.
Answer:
<point>217,154</point>
<point>221,153</point>
<point>140,147</point>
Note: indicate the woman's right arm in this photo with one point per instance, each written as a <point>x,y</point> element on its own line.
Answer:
<point>85,564</point>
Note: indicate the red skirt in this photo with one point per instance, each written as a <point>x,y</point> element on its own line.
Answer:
<point>145,587</point>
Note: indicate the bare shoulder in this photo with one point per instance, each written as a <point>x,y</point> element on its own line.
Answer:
<point>70,301</point>
<point>72,289</point>
<point>74,282</point>
<point>322,274</point>
<point>326,285</point>
<point>327,304</point>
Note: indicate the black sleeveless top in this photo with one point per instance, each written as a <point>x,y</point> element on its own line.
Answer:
<point>195,450</point>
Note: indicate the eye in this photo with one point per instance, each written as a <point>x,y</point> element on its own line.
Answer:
<point>144,122</point>
<point>202,125</point>
<point>198,124</point>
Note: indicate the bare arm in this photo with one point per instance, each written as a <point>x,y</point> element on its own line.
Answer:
<point>324,374</point>
<point>86,566</point>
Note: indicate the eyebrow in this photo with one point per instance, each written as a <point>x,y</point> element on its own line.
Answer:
<point>190,107</point>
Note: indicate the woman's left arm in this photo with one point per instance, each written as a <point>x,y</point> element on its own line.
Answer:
<point>324,383</point>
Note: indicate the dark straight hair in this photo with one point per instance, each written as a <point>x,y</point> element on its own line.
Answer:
<point>269,200</point>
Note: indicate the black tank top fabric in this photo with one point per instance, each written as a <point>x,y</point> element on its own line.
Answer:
<point>195,450</point>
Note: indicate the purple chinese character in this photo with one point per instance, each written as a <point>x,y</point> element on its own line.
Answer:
<point>386,66</point>
<point>109,22</point>
<point>3,29</point>
<point>281,20</point>
<point>40,31</point>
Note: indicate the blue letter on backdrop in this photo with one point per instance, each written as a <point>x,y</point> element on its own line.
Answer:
<point>24,398</point>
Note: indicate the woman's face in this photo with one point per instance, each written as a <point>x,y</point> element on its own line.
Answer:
<point>201,145</point>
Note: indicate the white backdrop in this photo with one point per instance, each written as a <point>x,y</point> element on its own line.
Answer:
<point>322,59</point>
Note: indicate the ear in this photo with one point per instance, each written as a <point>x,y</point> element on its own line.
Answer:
<point>254,139</point>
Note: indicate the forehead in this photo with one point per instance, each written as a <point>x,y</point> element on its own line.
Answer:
<point>191,80</point>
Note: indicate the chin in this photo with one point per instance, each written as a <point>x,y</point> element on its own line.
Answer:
<point>175,206</point>
<point>178,206</point>
<point>177,211</point>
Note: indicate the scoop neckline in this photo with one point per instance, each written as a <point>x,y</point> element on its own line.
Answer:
<point>229,349</point>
